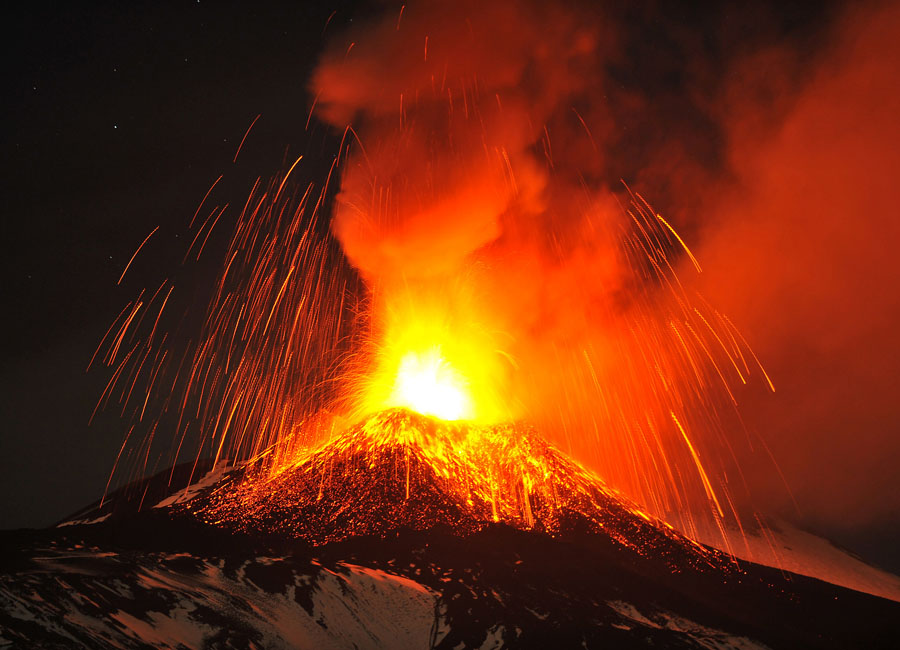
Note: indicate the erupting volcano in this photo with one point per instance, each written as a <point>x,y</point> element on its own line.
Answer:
<point>455,387</point>
<point>400,470</point>
<point>462,258</point>
<point>407,531</point>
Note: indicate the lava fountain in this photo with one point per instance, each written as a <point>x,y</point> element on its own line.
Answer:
<point>476,270</point>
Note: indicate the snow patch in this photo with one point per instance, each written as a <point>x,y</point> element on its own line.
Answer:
<point>163,607</point>
<point>706,637</point>
<point>84,522</point>
<point>193,490</point>
<point>788,548</point>
<point>494,640</point>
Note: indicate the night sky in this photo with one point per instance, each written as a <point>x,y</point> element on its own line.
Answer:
<point>119,117</point>
<point>118,120</point>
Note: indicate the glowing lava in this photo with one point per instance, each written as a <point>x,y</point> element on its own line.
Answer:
<point>401,470</point>
<point>428,384</point>
<point>470,271</point>
<point>434,352</point>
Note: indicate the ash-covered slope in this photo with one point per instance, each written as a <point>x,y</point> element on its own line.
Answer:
<point>404,532</point>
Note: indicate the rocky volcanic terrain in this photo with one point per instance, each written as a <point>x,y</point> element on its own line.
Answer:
<point>371,542</point>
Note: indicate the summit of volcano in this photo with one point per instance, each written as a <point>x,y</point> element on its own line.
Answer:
<point>401,470</point>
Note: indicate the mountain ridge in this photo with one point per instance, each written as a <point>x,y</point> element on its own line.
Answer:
<point>399,531</point>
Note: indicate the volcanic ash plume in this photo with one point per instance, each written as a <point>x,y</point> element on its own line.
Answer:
<point>450,104</point>
<point>802,254</point>
<point>473,202</point>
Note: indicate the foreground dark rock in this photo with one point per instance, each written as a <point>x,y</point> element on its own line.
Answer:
<point>156,581</point>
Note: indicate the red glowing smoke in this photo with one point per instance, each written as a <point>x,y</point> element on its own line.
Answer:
<point>484,144</point>
<point>801,250</point>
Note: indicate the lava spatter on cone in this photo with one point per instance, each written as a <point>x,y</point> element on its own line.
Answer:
<point>402,470</point>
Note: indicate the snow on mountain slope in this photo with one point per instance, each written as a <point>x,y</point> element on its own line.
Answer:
<point>786,547</point>
<point>90,599</point>
<point>208,480</point>
<point>155,579</point>
<point>84,597</point>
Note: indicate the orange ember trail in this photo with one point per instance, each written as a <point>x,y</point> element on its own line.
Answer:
<point>454,267</point>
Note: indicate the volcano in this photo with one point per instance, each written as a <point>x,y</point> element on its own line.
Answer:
<point>401,470</point>
<point>404,531</point>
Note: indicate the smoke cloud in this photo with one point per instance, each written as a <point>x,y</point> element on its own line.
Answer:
<point>450,102</point>
<point>485,154</point>
<point>800,250</point>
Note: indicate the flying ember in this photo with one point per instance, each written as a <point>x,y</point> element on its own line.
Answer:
<point>473,265</point>
<point>429,370</point>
